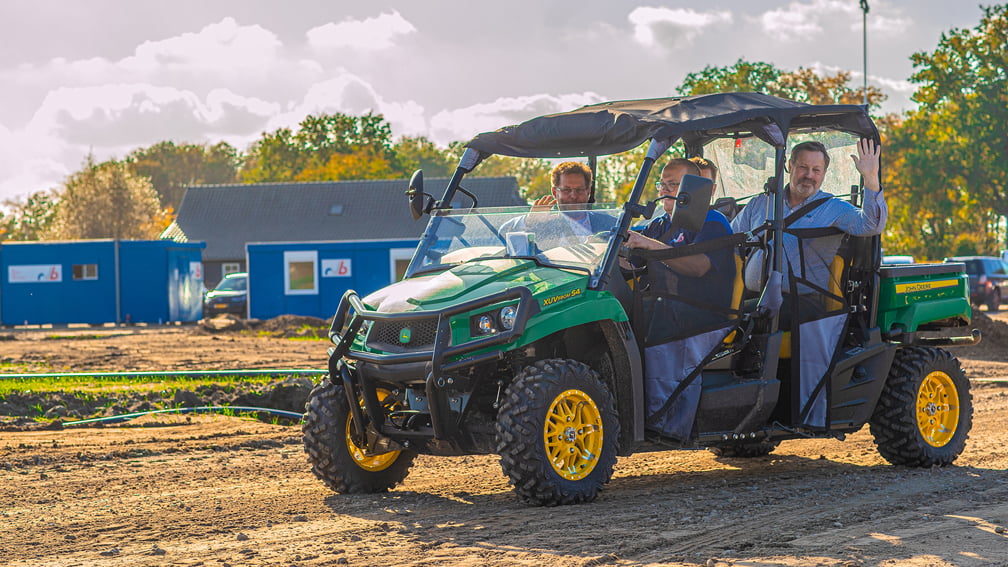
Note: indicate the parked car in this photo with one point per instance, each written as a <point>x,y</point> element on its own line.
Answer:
<point>895,260</point>
<point>229,296</point>
<point>988,276</point>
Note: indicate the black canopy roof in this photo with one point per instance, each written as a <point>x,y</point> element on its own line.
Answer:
<point>614,127</point>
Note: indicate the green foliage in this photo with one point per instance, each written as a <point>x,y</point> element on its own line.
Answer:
<point>324,148</point>
<point>417,152</point>
<point>107,200</point>
<point>803,84</point>
<point>533,175</point>
<point>743,76</point>
<point>29,218</point>
<point>173,167</point>
<point>947,167</point>
<point>616,174</point>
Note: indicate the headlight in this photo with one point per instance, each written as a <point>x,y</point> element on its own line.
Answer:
<point>508,316</point>
<point>485,324</point>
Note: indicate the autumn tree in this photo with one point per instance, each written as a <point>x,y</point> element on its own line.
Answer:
<point>173,167</point>
<point>803,85</point>
<point>531,174</point>
<point>959,130</point>
<point>28,218</point>
<point>417,152</point>
<point>931,212</point>
<point>318,149</point>
<point>107,200</point>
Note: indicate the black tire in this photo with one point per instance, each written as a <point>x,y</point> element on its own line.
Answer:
<point>925,412</point>
<point>533,405</point>
<point>331,451</point>
<point>744,449</point>
<point>994,303</point>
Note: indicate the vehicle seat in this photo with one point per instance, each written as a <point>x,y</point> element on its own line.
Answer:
<point>727,206</point>
<point>738,291</point>
<point>855,253</point>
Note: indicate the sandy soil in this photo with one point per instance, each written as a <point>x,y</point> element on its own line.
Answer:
<point>217,491</point>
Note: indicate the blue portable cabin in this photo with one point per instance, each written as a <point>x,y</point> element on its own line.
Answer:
<point>99,281</point>
<point>228,217</point>
<point>309,278</point>
<point>252,227</point>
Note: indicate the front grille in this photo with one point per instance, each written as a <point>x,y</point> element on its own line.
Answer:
<point>385,335</point>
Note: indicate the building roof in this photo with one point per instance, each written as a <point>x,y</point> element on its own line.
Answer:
<point>227,217</point>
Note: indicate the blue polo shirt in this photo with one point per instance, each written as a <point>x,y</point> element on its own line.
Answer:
<point>714,287</point>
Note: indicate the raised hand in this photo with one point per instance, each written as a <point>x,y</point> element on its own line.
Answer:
<point>867,162</point>
<point>543,204</point>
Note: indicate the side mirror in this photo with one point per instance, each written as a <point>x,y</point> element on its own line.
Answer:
<point>418,203</point>
<point>692,202</point>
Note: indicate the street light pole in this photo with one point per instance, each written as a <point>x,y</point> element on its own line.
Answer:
<point>864,28</point>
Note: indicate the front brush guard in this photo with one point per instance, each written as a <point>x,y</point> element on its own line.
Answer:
<point>440,357</point>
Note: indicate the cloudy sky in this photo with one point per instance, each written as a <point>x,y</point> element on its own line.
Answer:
<point>110,76</point>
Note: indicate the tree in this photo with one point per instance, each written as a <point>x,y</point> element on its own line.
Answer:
<point>931,214</point>
<point>963,97</point>
<point>417,152</point>
<point>286,155</point>
<point>532,174</point>
<point>30,218</point>
<point>171,168</point>
<point>361,164</point>
<point>107,200</point>
<point>803,85</point>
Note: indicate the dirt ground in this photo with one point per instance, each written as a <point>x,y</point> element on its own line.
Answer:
<point>219,491</point>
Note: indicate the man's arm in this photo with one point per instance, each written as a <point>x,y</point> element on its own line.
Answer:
<point>871,218</point>
<point>693,266</point>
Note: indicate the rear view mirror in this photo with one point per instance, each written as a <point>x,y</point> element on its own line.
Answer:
<point>692,202</point>
<point>419,202</point>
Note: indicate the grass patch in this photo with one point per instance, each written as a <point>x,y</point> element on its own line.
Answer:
<point>90,385</point>
<point>8,366</point>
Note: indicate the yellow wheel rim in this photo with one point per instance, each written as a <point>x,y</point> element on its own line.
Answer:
<point>573,434</point>
<point>377,462</point>
<point>937,408</point>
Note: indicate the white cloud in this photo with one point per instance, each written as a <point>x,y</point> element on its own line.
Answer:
<point>672,27</point>
<point>885,24</point>
<point>804,20</point>
<point>371,34</point>
<point>464,123</point>
<point>111,120</point>
<point>349,94</point>
<point>221,46</point>
<point>126,115</point>
<point>899,86</point>
<point>30,162</point>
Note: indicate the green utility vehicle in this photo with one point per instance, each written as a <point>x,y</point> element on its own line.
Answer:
<point>536,341</point>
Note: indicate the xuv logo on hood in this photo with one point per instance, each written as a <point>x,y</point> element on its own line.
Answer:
<point>404,335</point>
<point>568,295</point>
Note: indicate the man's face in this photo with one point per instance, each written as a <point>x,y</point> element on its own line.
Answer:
<point>572,191</point>
<point>670,179</point>
<point>808,168</point>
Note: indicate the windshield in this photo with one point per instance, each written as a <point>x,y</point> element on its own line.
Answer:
<point>745,164</point>
<point>232,284</point>
<point>574,238</point>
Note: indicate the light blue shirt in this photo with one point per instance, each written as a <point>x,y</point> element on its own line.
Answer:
<point>818,252</point>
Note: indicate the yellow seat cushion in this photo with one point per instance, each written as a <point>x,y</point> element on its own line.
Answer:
<point>836,275</point>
